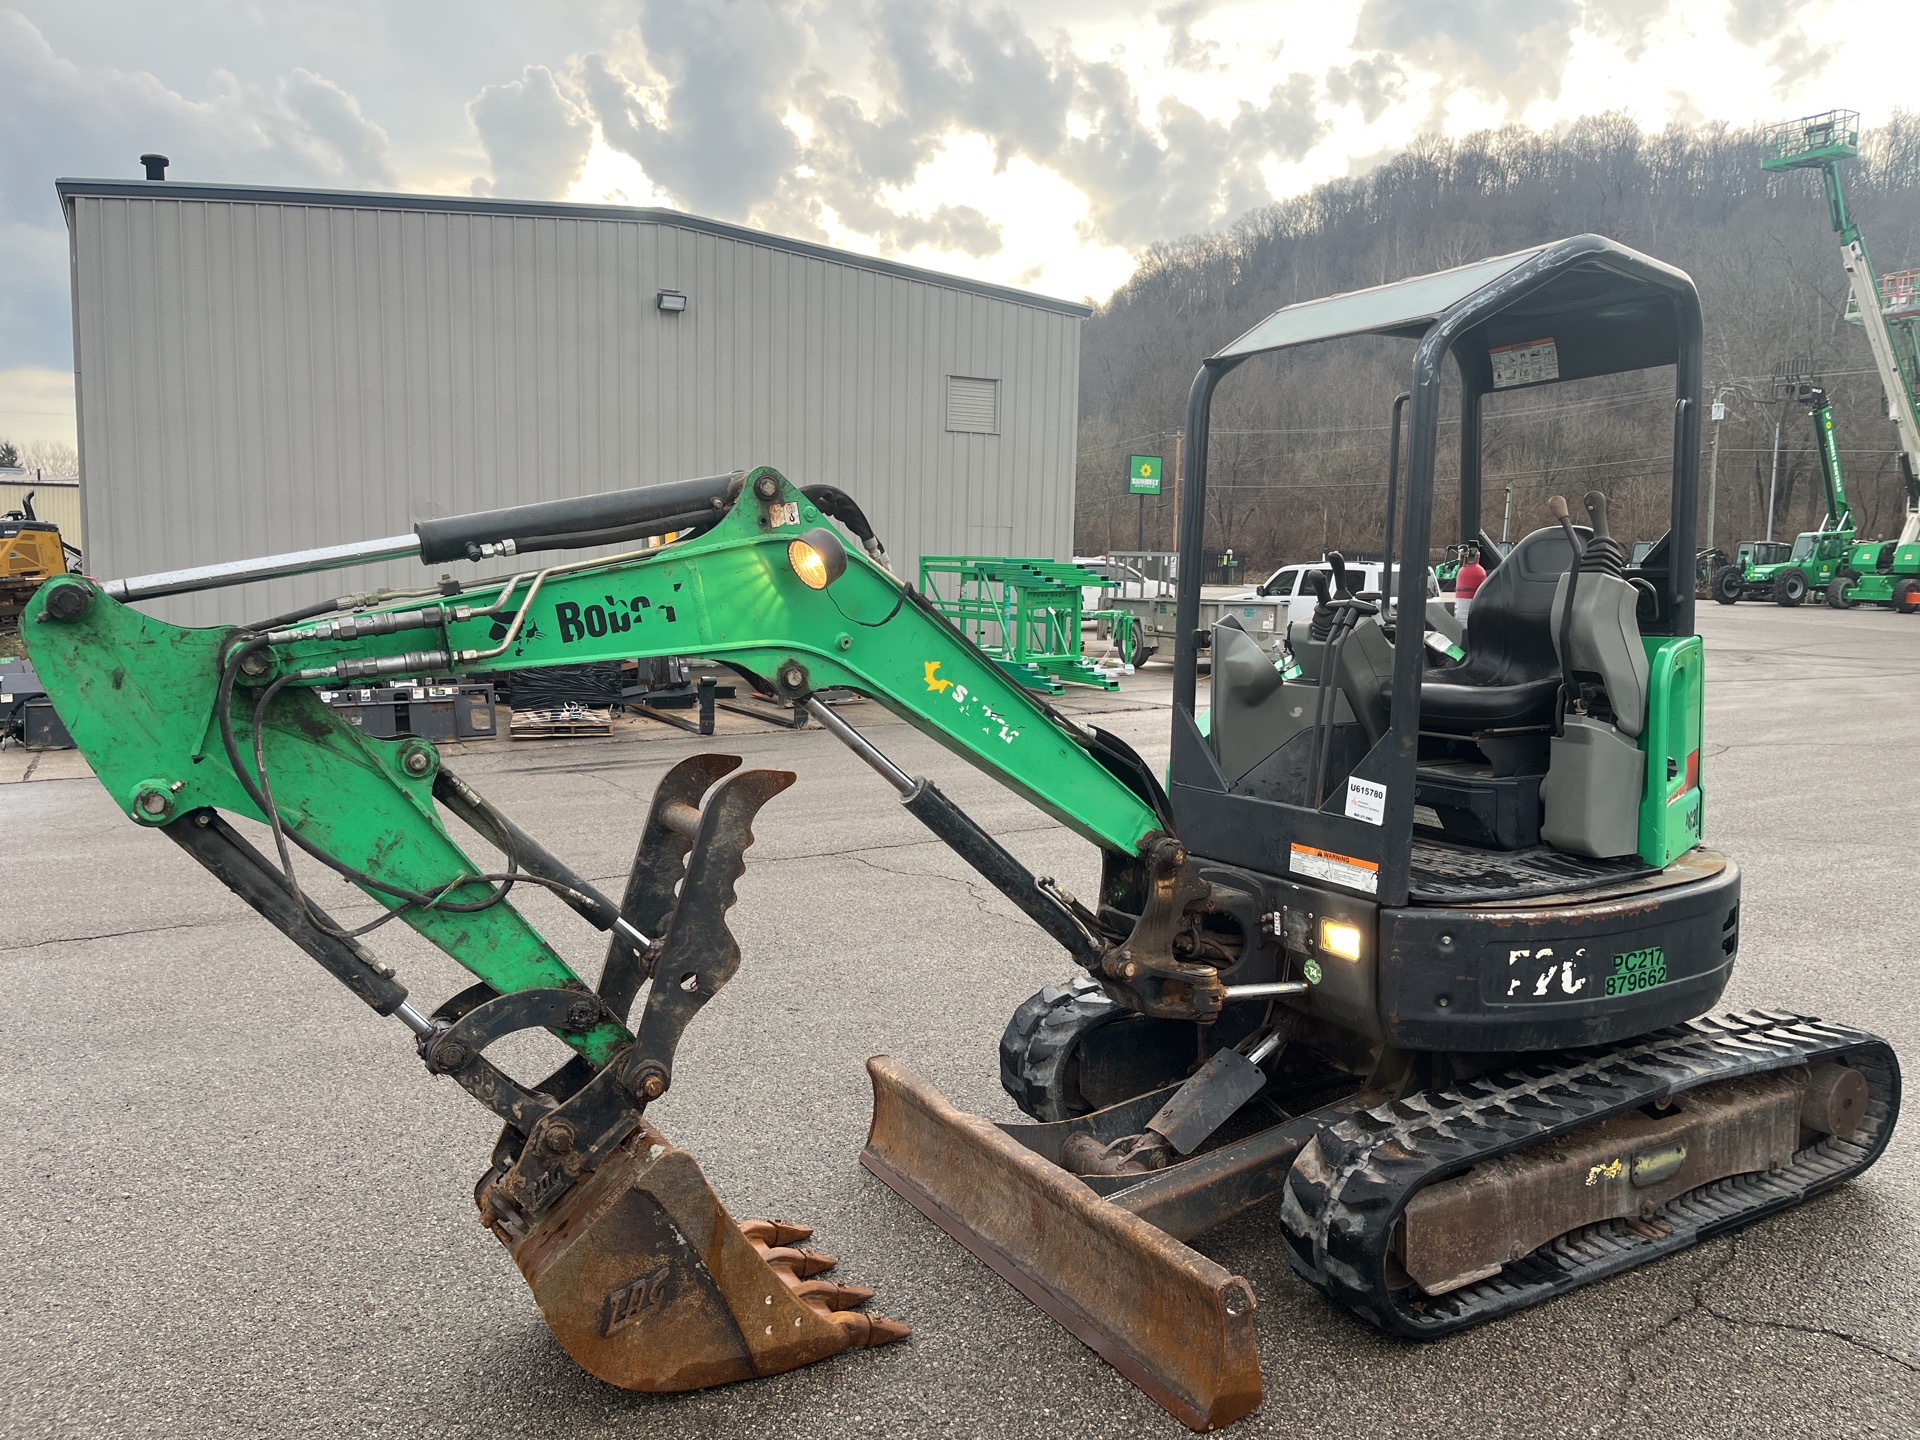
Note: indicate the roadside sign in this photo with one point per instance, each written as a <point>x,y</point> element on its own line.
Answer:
<point>1143,474</point>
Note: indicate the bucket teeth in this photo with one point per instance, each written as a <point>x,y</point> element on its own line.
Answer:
<point>830,1294</point>
<point>775,1232</point>
<point>868,1331</point>
<point>803,1263</point>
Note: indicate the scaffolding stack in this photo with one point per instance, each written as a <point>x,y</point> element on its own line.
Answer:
<point>1026,613</point>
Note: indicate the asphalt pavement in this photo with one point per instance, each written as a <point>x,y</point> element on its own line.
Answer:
<point>237,1206</point>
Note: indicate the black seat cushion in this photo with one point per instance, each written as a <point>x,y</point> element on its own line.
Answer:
<point>1511,676</point>
<point>1457,708</point>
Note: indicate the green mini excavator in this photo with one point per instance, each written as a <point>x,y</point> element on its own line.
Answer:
<point>1411,950</point>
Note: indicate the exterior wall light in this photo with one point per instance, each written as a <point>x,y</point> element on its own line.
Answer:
<point>671,301</point>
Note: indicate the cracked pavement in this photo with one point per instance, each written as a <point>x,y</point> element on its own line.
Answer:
<point>239,1207</point>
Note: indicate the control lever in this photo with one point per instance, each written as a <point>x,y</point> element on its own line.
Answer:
<point>1343,591</point>
<point>1604,554</point>
<point>1339,564</point>
<point>1597,512</point>
<point>1323,612</point>
<point>1558,506</point>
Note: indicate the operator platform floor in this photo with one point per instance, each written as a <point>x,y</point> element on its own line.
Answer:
<point>237,1206</point>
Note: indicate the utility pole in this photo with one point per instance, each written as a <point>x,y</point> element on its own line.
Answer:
<point>1774,481</point>
<point>1179,455</point>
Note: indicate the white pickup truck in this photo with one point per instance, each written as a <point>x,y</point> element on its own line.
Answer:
<point>1289,583</point>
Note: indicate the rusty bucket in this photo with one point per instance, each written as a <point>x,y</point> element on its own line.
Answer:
<point>649,1284</point>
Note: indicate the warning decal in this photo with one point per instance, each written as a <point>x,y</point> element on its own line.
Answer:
<point>1335,868</point>
<point>1528,363</point>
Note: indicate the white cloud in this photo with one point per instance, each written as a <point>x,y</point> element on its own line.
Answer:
<point>1042,145</point>
<point>537,140</point>
<point>36,405</point>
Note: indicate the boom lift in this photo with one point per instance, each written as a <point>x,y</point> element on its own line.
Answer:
<point>1463,1056</point>
<point>1887,310</point>
<point>1818,558</point>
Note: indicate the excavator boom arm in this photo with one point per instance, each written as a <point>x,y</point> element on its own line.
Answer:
<point>182,723</point>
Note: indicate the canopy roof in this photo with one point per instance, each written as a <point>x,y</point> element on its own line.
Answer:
<point>1599,307</point>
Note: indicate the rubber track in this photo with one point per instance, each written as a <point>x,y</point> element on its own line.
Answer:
<point>1039,1042</point>
<point>1345,1194</point>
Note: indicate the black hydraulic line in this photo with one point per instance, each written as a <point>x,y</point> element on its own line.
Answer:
<point>1008,875</point>
<point>622,511</point>
<point>691,521</point>
<point>524,851</point>
<point>205,835</point>
<point>836,504</point>
<point>294,617</point>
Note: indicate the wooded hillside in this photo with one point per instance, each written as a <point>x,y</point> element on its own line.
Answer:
<point>1298,455</point>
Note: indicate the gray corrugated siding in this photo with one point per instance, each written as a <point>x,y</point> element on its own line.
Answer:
<point>256,378</point>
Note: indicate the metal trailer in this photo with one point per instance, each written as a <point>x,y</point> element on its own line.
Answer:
<point>1153,602</point>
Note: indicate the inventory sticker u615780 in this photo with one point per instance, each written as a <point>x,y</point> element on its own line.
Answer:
<point>1335,868</point>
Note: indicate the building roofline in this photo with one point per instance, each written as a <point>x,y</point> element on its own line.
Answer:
<point>560,210</point>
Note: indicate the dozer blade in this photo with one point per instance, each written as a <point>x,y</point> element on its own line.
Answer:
<point>649,1284</point>
<point>1169,1319</point>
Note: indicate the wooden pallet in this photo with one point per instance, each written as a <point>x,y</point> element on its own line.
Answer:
<point>554,722</point>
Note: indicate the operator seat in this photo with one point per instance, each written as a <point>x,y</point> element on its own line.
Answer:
<point>1511,676</point>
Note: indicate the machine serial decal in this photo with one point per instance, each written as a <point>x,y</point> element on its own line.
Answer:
<point>1638,970</point>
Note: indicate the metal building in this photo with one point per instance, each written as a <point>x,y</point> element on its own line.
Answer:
<point>268,370</point>
<point>55,498</point>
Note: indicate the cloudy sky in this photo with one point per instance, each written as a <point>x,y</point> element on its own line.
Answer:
<point>1044,144</point>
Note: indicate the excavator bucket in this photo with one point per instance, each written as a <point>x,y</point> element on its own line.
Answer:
<point>1172,1321</point>
<point>649,1284</point>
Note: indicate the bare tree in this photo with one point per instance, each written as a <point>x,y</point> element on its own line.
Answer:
<point>1299,443</point>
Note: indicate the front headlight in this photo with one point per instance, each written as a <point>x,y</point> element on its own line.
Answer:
<point>817,557</point>
<point>1338,937</point>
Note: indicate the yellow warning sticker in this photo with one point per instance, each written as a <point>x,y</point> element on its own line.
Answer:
<point>1335,868</point>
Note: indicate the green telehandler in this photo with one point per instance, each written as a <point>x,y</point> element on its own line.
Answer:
<point>1817,556</point>
<point>1884,572</point>
<point>1417,949</point>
